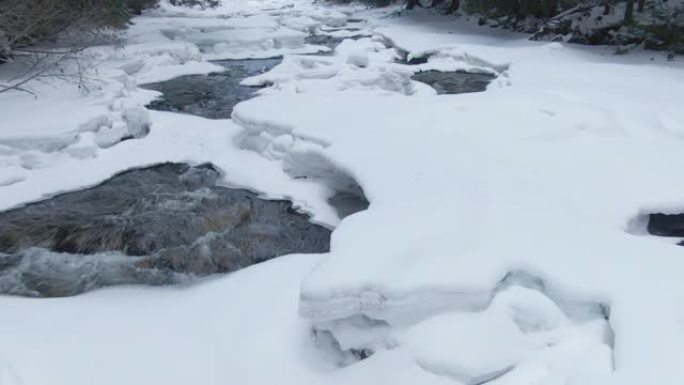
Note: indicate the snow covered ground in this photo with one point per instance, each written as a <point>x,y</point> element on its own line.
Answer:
<point>501,246</point>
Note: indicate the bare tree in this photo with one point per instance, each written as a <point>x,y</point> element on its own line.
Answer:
<point>629,11</point>
<point>42,39</point>
<point>41,63</point>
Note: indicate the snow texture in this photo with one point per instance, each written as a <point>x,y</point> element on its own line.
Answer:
<point>499,246</point>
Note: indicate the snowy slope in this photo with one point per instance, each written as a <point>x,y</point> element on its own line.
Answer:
<point>501,245</point>
<point>541,174</point>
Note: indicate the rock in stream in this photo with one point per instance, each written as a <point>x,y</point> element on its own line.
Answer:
<point>158,225</point>
<point>457,82</point>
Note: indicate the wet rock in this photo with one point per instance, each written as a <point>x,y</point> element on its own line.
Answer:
<point>412,61</point>
<point>157,225</point>
<point>454,82</point>
<point>211,96</point>
<point>403,55</point>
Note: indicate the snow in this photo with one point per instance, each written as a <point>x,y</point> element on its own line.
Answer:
<point>492,344</point>
<point>199,334</point>
<point>499,245</point>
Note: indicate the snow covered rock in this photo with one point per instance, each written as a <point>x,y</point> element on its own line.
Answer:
<point>507,342</point>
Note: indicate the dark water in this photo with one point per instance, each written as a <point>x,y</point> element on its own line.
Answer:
<point>324,40</point>
<point>666,225</point>
<point>157,225</point>
<point>211,96</point>
<point>329,41</point>
<point>454,82</point>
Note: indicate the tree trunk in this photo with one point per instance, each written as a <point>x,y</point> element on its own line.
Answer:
<point>606,7</point>
<point>550,8</point>
<point>640,6</point>
<point>629,11</point>
<point>454,5</point>
<point>516,8</point>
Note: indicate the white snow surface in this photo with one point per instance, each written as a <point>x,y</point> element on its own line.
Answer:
<point>498,247</point>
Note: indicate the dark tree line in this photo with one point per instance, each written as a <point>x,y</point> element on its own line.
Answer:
<point>537,8</point>
<point>655,24</point>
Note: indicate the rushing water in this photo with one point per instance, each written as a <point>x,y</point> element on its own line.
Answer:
<point>156,225</point>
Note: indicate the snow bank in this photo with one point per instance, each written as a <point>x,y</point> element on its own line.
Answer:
<point>541,173</point>
<point>496,247</point>
<point>215,332</point>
